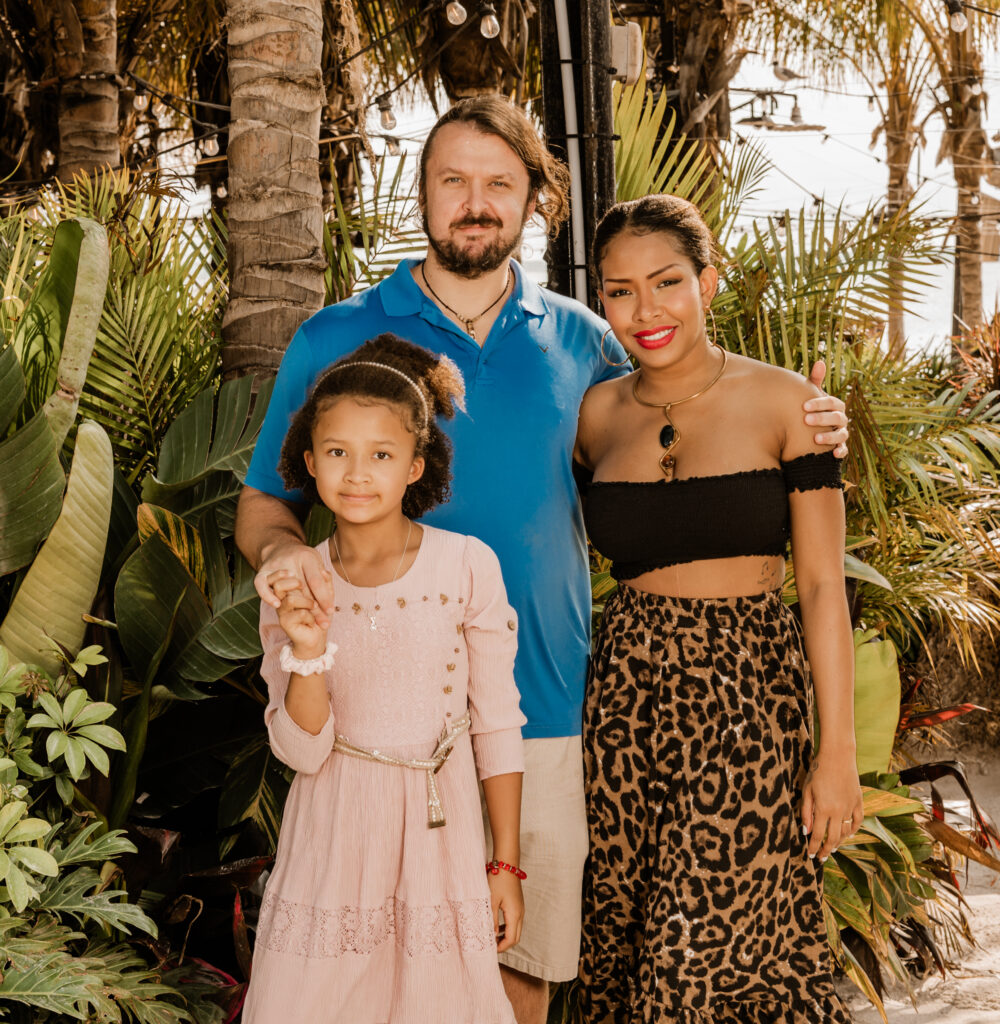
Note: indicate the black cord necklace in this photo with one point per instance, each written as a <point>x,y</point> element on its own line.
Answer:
<point>469,322</point>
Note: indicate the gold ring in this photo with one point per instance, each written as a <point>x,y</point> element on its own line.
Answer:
<point>847,821</point>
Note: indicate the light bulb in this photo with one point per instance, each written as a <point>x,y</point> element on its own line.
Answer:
<point>210,147</point>
<point>222,192</point>
<point>159,109</point>
<point>976,88</point>
<point>957,19</point>
<point>796,114</point>
<point>140,101</point>
<point>871,102</point>
<point>673,67</point>
<point>393,146</point>
<point>456,13</point>
<point>386,118</point>
<point>489,27</point>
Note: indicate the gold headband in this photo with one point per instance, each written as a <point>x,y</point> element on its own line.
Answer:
<point>392,369</point>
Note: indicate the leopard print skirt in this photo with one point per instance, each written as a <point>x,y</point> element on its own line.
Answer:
<point>701,904</point>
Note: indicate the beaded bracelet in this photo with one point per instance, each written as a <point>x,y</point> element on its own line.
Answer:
<point>313,666</point>
<point>493,868</point>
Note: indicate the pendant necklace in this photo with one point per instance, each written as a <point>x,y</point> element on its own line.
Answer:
<point>377,606</point>
<point>669,434</point>
<point>469,322</point>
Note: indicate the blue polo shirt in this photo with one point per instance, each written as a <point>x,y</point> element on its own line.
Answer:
<point>513,483</point>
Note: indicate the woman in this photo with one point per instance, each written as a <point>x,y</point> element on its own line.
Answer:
<point>710,813</point>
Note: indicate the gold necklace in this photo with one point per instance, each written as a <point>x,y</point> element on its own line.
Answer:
<point>669,434</point>
<point>343,569</point>
<point>469,322</point>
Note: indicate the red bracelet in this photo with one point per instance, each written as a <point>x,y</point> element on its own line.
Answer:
<point>493,868</point>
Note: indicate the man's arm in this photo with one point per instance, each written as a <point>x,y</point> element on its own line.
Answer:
<point>270,535</point>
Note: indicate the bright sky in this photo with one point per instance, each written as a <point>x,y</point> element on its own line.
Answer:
<point>843,169</point>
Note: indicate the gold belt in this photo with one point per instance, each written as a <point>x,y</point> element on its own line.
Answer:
<point>429,765</point>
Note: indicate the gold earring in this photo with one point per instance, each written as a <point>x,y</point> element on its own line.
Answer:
<point>715,329</point>
<point>604,357</point>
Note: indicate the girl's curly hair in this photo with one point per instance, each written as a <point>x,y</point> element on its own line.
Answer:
<point>422,385</point>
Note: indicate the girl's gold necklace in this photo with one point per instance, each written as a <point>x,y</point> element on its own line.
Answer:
<point>669,435</point>
<point>395,575</point>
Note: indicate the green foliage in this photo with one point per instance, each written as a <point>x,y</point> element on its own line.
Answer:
<point>373,234</point>
<point>45,618</point>
<point>62,920</point>
<point>158,334</point>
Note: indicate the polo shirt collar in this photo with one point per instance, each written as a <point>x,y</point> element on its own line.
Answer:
<point>401,295</point>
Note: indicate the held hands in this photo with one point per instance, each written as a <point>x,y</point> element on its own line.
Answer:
<point>306,565</point>
<point>296,616</point>
<point>828,413</point>
<point>832,803</point>
<point>506,896</point>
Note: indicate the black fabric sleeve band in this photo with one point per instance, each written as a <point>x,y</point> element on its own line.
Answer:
<point>812,472</point>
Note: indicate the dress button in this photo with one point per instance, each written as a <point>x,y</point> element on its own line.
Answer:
<point>448,689</point>
<point>511,624</point>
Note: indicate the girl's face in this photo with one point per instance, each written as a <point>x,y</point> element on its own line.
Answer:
<point>653,299</point>
<point>362,459</point>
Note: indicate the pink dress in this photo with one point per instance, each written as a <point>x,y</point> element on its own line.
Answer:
<point>371,917</point>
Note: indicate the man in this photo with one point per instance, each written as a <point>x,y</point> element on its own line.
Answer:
<point>527,355</point>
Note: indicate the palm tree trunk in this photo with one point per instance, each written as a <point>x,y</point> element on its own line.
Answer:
<point>900,140</point>
<point>967,145</point>
<point>276,261</point>
<point>85,43</point>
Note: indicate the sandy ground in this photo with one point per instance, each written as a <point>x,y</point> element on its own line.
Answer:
<point>970,994</point>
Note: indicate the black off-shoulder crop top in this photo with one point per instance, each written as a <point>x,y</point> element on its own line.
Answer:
<point>647,526</point>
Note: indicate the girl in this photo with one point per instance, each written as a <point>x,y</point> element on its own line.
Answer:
<point>378,909</point>
<point>710,813</point>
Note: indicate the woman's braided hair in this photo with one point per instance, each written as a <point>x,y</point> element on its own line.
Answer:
<point>440,388</point>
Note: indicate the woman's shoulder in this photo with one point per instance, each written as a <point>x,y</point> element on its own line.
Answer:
<point>775,386</point>
<point>601,398</point>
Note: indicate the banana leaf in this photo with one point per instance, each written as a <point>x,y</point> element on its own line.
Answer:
<point>31,488</point>
<point>60,586</point>
<point>876,700</point>
<point>75,286</point>
<point>12,388</point>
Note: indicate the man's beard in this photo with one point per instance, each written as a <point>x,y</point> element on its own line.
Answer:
<point>474,264</point>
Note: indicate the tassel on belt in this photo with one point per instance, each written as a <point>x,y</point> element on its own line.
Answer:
<point>429,765</point>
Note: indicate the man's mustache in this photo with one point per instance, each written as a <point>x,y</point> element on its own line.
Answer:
<point>477,222</point>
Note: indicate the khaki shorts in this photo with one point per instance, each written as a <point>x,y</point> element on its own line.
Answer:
<point>553,851</point>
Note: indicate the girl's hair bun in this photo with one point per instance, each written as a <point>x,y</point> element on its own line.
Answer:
<point>447,388</point>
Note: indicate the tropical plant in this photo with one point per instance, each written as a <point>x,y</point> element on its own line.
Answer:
<point>158,316</point>
<point>65,919</point>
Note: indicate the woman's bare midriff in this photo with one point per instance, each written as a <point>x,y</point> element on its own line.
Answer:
<point>716,577</point>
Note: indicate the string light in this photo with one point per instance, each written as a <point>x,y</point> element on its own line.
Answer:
<point>386,117</point>
<point>796,113</point>
<point>871,102</point>
<point>393,146</point>
<point>210,147</point>
<point>140,101</point>
<point>488,25</point>
<point>456,13</point>
<point>956,15</point>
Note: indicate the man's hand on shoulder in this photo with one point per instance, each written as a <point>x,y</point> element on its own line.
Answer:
<point>827,413</point>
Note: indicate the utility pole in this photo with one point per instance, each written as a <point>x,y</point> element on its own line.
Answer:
<point>586,51</point>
